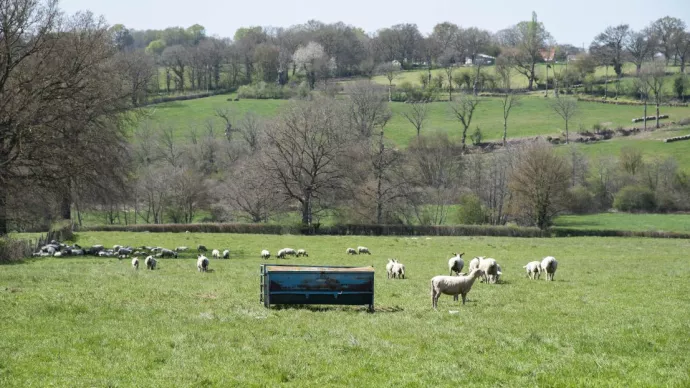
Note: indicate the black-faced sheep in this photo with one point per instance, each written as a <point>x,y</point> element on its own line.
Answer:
<point>398,270</point>
<point>150,263</point>
<point>453,285</point>
<point>201,248</point>
<point>202,263</point>
<point>135,263</point>
<point>226,254</point>
<point>455,264</point>
<point>363,250</point>
<point>302,252</point>
<point>351,251</point>
<point>265,254</point>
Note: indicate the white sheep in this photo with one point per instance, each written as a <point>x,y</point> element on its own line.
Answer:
<point>398,270</point>
<point>265,254</point>
<point>286,252</point>
<point>226,254</point>
<point>549,265</point>
<point>135,263</point>
<point>456,263</point>
<point>389,268</point>
<point>474,263</point>
<point>150,263</point>
<point>490,269</point>
<point>533,269</point>
<point>302,252</point>
<point>181,249</point>
<point>202,263</point>
<point>453,285</point>
<point>363,250</point>
<point>351,251</point>
<point>215,254</point>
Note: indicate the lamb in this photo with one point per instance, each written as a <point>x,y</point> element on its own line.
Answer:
<point>351,251</point>
<point>389,268</point>
<point>215,254</point>
<point>150,263</point>
<point>181,249</point>
<point>265,254</point>
<point>201,248</point>
<point>302,252</point>
<point>549,265</point>
<point>490,269</point>
<point>226,254</point>
<point>135,263</point>
<point>398,270</point>
<point>202,263</point>
<point>533,269</point>
<point>456,263</point>
<point>453,285</point>
<point>363,250</point>
<point>474,263</point>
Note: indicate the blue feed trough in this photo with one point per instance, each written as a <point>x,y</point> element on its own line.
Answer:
<point>309,284</point>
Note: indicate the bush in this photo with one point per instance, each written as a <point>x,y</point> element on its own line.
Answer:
<point>581,201</point>
<point>13,250</point>
<point>471,211</point>
<point>263,90</point>
<point>476,136</point>
<point>635,198</point>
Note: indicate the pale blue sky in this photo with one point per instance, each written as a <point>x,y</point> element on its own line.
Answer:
<point>574,21</point>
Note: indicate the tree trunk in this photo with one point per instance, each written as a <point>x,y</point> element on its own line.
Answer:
<point>546,84</point>
<point>4,229</point>
<point>66,202</point>
<point>476,81</point>
<point>638,67</point>
<point>657,113</point>
<point>645,113</point>
<point>390,91</point>
<point>464,137</point>
<point>531,78</point>
<point>566,131</point>
<point>306,208</point>
<point>505,130</point>
<point>606,83</point>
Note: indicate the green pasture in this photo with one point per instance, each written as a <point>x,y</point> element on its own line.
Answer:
<point>626,221</point>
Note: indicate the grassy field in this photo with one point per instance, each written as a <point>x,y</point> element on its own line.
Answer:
<point>627,221</point>
<point>607,320</point>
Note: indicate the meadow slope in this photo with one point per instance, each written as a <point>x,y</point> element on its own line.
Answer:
<point>611,318</point>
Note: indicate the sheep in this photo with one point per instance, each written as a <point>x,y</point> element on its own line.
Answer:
<point>167,253</point>
<point>351,251</point>
<point>226,254</point>
<point>499,272</point>
<point>389,268</point>
<point>456,263</point>
<point>533,269</point>
<point>215,254</point>
<point>285,252</point>
<point>490,269</point>
<point>124,251</point>
<point>474,263</point>
<point>57,254</point>
<point>398,269</point>
<point>150,263</point>
<point>116,247</point>
<point>201,248</point>
<point>135,263</point>
<point>202,263</point>
<point>302,252</point>
<point>181,249</point>
<point>453,285</point>
<point>363,250</point>
<point>549,265</point>
<point>265,254</point>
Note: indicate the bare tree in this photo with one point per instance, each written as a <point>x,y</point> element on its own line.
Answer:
<point>447,60</point>
<point>416,114</point>
<point>306,143</point>
<point>642,87</point>
<point>509,99</point>
<point>640,46</point>
<point>367,107</point>
<point>567,108</point>
<point>250,191</point>
<point>391,71</point>
<point>463,109</point>
<point>539,183</point>
<point>251,128</point>
<point>655,76</point>
<point>167,147</point>
<point>526,40</point>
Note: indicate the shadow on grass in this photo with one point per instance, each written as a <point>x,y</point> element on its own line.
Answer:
<point>327,308</point>
<point>17,262</point>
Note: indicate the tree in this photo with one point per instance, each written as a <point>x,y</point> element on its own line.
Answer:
<point>448,60</point>
<point>640,46</point>
<point>401,42</point>
<point>306,144</point>
<point>416,114</point>
<point>603,56</point>
<point>613,39</point>
<point>390,70</point>
<point>509,99</point>
<point>643,88</point>
<point>475,42</point>
<point>366,107</point>
<point>668,29</point>
<point>463,109</point>
<point>527,40</point>
<point>539,183</point>
<point>250,191</point>
<point>312,58</point>
<point>567,108</point>
<point>683,48</point>
<point>177,58</point>
<point>655,76</point>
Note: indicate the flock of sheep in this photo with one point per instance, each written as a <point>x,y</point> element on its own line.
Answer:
<point>456,283</point>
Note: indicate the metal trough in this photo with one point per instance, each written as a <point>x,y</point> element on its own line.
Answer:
<point>308,284</point>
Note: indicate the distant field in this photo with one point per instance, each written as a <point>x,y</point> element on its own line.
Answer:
<point>607,320</point>
<point>626,221</point>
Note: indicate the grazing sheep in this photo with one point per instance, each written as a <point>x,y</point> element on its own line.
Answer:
<point>285,252</point>
<point>202,263</point>
<point>389,268</point>
<point>474,263</point>
<point>150,263</point>
<point>57,254</point>
<point>302,252</point>
<point>124,251</point>
<point>226,254</point>
<point>363,250</point>
<point>490,269</point>
<point>116,247</point>
<point>265,254</point>
<point>201,248</point>
<point>456,263</point>
<point>351,251</point>
<point>215,254</point>
<point>398,270</point>
<point>549,265</point>
<point>453,285</point>
<point>181,249</point>
<point>135,263</point>
<point>167,253</point>
<point>533,269</point>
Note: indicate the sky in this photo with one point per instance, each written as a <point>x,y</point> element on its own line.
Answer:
<point>574,22</point>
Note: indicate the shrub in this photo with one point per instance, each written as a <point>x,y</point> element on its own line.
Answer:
<point>635,198</point>
<point>471,211</point>
<point>263,90</point>
<point>476,136</point>
<point>581,201</point>
<point>679,86</point>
